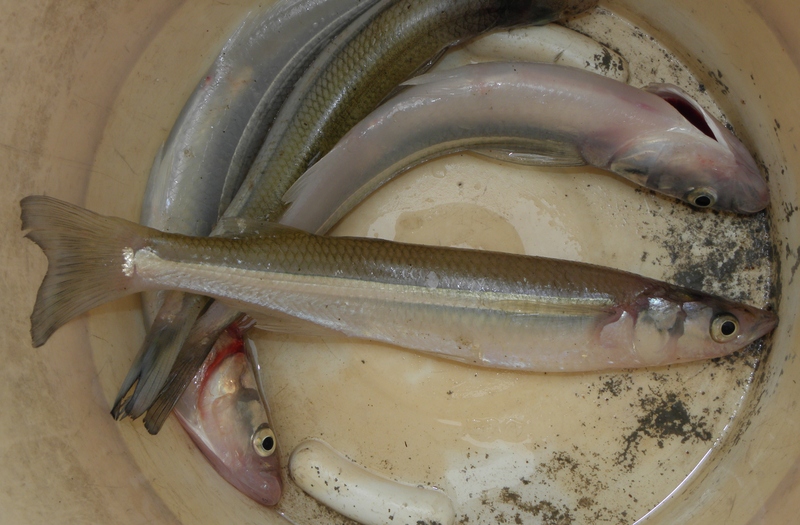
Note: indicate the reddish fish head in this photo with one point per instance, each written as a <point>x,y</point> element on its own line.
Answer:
<point>698,160</point>
<point>236,423</point>
<point>225,416</point>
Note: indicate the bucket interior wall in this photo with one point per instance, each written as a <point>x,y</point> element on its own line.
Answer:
<point>73,74</point>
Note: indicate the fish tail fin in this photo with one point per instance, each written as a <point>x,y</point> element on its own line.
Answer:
<point>86,255</point>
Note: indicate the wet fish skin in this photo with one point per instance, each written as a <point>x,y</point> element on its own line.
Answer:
<point>731,173</point>
<point>187,192</point>
<point>552,42</point>
<point>202,142</point>
<point>223,413</point>
<point>282,85</point>
<point>359,68</point>
<point>484,308</point>
<point>532,113</point>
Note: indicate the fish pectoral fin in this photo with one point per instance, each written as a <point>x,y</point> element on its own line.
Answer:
<point>545,153</point>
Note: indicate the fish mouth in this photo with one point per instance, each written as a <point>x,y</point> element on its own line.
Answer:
<point>757,201</point>
<point>765,325</point>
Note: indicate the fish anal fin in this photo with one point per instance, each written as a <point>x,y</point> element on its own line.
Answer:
<point>544,153</point>
<point>278,322</point>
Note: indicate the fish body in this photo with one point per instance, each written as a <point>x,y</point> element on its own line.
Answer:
<point>535,113</point>
<point>206,156</point>
<point>550,44</point>
<point>264,54</point>
<point>360,67</point>
<point>484,308</point>
<point>223,413</point>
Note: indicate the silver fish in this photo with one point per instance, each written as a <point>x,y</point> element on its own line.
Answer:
<point>264,54</point>
<point>186,193</point>
<point>484,308</point>
<point>363,64</point>
<point>542,44</point>
<point>535,113</point>
<point>550,44</point>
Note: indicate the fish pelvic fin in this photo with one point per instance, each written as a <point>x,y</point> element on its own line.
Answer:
<point>87,258</point>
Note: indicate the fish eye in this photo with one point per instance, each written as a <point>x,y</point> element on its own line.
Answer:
<point>264,441</point>
<point>724,328</point>
<point>702,197</point>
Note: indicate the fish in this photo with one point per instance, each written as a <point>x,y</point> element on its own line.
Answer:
<point>552,44</point>
<point>208,153</point>
<point>358,69</point>
<point>534,113</point>
<point>482,308</point>
<point>223,414</point>
<point>542,43</point>
<point>254,69</point>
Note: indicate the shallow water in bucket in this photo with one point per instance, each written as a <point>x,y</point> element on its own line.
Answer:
<point>581,448</point>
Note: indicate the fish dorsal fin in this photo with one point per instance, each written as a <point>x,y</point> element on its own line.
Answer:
<point>235,227</point>
<point>430,77</point>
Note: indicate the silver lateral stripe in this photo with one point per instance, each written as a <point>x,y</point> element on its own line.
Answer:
<point>259,288</point>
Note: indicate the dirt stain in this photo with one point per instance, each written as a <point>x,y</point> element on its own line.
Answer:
<point>664,416</point>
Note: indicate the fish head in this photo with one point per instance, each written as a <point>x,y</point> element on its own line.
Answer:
<point>697,160</point>
<point>237,437</point>
<point>682,325</point>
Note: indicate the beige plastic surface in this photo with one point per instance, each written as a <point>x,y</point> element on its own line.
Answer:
<point>81,78</point>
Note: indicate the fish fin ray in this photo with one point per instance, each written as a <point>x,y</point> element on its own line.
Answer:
<point>236,227</point>
<point>189,361</point>
<point>549,153</point>
<point>431,77</point>
<point>286,324</point>
<point>300,185</point>
<point>86,256</point>
<point>161,348</point>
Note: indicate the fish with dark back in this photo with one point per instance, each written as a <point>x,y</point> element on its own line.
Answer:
<point>479,307</point>
<point>359,68</point>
